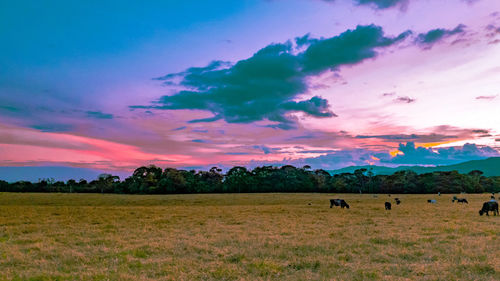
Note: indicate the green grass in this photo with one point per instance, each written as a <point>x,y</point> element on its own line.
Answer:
<point>245,237</point>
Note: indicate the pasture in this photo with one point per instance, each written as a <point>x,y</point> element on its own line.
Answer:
<point>245,237</point>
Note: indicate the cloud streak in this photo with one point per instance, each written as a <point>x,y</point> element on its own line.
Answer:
<point>383,4</point>
<point>379,4</point>
<point>486,97</point>
<point>428,39</point>
<point>99,115</point>
<point>404,99</point>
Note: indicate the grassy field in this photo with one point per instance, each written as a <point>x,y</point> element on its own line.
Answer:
<point>245,237</point>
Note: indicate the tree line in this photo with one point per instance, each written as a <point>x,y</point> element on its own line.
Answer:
<point>154,180</point>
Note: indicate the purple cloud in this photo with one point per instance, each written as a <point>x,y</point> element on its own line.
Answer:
<point>404,99</point>
<point>441,156</point>
<point>486,97</point>
<point>411,156</point>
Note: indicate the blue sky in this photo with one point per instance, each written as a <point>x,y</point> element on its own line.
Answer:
<point>84,72</point>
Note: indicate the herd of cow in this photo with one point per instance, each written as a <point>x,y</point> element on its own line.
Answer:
<point>489,206</point>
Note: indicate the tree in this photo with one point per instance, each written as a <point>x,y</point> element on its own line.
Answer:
<point>105,182</point>
<point>238,179</point>
<point>475,176</point>
<point>321,179</point>
<point>210,181</point>
<point>361,178</point>
<point>146,178</point>
<point>4,186</point>
<point>172,181</point>
<point>70,184</point>
<point>264,178</point>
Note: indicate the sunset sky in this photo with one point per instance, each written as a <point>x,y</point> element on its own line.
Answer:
<point>113,85</point>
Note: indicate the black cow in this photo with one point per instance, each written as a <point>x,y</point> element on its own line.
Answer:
<point>397,201</point>
<point>387,205</point>
<point>339,202</point>
<point>489,206</point>
<point>343,204</point>
<point>334,202</point>
<point>462,200</point>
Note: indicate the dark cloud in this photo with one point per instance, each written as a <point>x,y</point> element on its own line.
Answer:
<point>265,149</point>
<point>492,31</point>
<point>316,106</point>
<point>379,4</point>
<point>388,94</point>
<point>383,4</point>
<point>404,99</point>
<point>470,2</point>
<point>308,136</point>
<point>199,131</point>
<point>266,86</point>
<point>412,137</point>
<point>99,115</point>
<point>236,153</point>
<point>428,39</point>
<point>179,128</point>
<point>486,97</point>
<point>492,27</point>
<point>52,127</point>
<point>199,141</point>
<point>386,4</point>
<point>389,137</point>
<point>317,151</point>
<point>350,47</point>
<point>9,108</point>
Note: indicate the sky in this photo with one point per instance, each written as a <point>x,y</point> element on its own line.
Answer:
<point>113,85</point>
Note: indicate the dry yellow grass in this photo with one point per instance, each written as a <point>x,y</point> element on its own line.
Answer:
<point>245,237</point>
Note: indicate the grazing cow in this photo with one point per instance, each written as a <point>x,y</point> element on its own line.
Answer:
<point>343,204</point>
<point>489,206</point>
<point>387,205</point>
<point>462,200</point>
<point>339,202</point>
<point>334,202</point>
<point>432,201</point>
<point>397,201</point>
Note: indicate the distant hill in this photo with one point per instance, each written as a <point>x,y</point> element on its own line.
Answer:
<point>489,166</point>
<point>58,173</point>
